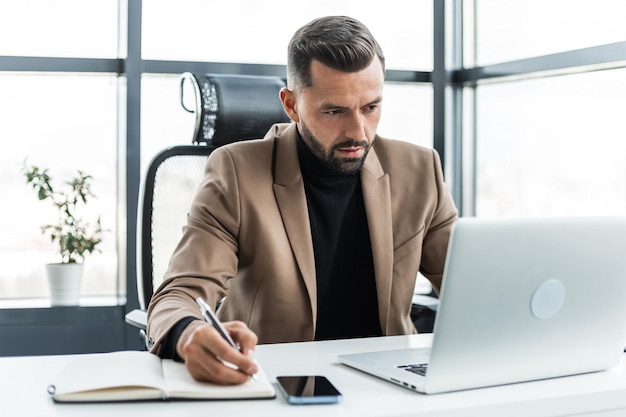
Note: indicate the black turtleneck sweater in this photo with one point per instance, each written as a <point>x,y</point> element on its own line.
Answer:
<point>347,304</point>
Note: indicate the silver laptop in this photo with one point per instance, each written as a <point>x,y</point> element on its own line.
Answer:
<point>522,300</point>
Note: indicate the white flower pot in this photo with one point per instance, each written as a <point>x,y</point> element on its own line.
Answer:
<point>64,283</point>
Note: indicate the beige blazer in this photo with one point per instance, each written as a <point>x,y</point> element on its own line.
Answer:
<point>248,237</point>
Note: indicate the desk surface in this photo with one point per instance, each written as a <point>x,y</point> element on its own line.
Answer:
<point>23,383</point>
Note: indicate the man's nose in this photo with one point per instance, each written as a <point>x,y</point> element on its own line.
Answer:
<point>355,127</point>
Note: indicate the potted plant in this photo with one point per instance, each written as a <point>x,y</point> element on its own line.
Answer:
<point>74,237</point>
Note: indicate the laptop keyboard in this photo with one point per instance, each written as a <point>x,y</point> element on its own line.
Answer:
<point>416,368</point>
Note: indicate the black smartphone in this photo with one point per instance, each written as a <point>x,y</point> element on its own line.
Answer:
<point>308,389</point>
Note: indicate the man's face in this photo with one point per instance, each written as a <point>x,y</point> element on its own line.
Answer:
<point>338,115</point>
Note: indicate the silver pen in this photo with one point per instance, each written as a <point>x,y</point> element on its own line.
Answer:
<point>211,318</point>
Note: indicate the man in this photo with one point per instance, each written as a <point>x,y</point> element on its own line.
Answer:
<point>315,232</point>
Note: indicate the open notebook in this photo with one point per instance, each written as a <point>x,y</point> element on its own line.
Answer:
<point>522,299</point>
<point>135,375</point>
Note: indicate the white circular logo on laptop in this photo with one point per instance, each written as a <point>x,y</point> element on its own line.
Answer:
<point>547,299</point>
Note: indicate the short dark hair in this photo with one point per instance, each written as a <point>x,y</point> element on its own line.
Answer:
<point>338,42</point>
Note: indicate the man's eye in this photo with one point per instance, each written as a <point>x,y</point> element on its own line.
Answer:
<point>332,112</point>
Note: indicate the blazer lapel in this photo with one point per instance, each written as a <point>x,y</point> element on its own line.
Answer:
<point>291,200</point>
<point>377,198</point>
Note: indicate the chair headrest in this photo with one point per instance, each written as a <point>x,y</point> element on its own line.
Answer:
<point>231,108</point>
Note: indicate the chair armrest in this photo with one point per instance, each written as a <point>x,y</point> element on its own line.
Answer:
<point>137,318</point>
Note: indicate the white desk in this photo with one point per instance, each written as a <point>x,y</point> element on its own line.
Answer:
<point>23,383</point>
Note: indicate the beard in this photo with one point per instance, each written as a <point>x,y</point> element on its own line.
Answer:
<point>339,165</point>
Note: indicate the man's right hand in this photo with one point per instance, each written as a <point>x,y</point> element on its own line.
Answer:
<point>205,351</point>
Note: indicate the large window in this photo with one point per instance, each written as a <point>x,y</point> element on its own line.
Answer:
<point>65,123</point>
<point>552,146</point>
<point>254,31</point>
<point>515,29</point>
<point>60,28</point>
<point>547,136</point>
<point>62,121</point>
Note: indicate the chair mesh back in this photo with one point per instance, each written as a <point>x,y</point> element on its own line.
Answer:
<point>171,184</point>
<point>175,185</point>
<point>228,108</point>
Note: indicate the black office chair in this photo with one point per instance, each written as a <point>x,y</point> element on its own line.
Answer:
<point>228,108</point>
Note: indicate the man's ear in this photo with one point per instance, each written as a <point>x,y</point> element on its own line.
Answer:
<point>287,97</point>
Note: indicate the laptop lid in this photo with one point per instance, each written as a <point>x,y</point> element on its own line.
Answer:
<point>525,299</point>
